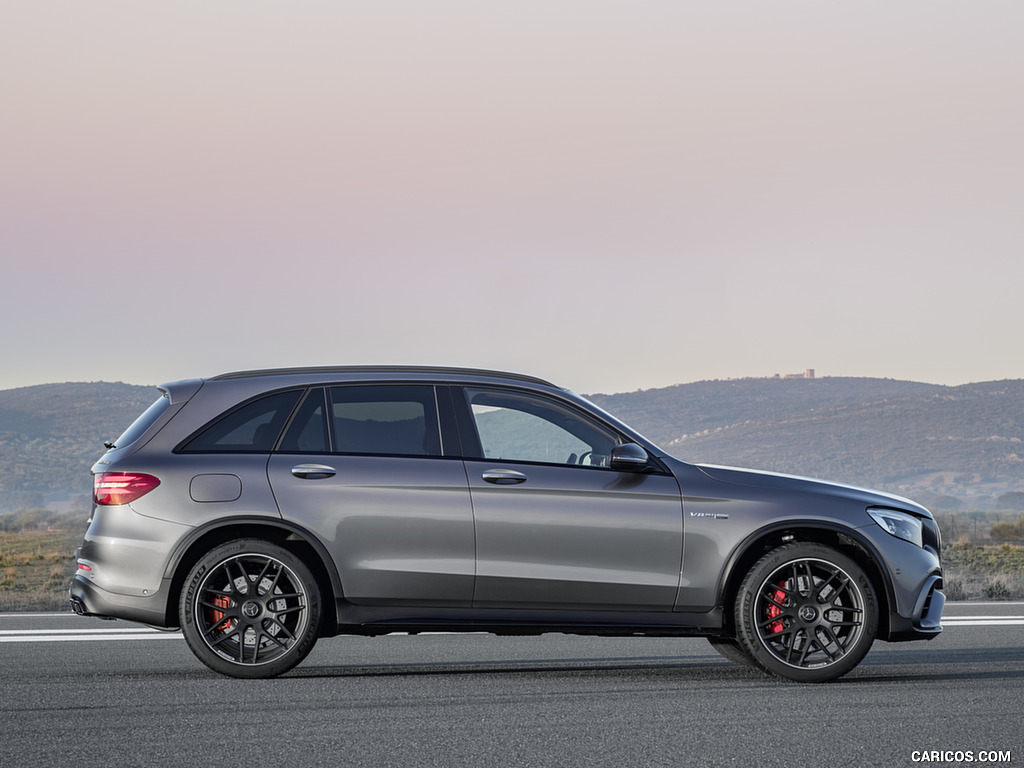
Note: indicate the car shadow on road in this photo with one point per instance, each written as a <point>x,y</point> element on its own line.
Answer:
<point>702,666</point>
<point>953,656</point>
<point>945,664</point>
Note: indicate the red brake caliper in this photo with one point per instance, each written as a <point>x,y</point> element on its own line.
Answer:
<point>221,602</point>
<point>778,596</point>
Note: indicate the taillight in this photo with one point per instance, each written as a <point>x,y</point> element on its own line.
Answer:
<point>112,488</point>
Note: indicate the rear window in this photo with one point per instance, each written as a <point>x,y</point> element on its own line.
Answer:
<point>144,422</point>
<point>252,428</point>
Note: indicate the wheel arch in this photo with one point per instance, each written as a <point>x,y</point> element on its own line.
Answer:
<point>294,538</point>
<point>845,540</point>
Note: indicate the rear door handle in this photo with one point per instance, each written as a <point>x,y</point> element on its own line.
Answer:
<point>314,471</point>
<point>504,477</point>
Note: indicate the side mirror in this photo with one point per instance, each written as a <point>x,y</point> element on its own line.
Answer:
<point>628,457</point>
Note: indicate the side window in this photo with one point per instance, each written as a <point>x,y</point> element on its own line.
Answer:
<point>515,426</point>
<point>391,419</point>
<point>253,428</point>
<point>308,430</point>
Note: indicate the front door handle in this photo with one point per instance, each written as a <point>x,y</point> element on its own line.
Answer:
<point>314,471</point>
<point>504,477</point>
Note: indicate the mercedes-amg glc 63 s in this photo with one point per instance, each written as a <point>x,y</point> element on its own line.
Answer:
<point>262,510</point>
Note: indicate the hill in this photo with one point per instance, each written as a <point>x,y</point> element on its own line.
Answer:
<point>922,440</point>
<point>51,434</point>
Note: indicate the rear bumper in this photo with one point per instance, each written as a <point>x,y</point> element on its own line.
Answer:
<point>89,600</point>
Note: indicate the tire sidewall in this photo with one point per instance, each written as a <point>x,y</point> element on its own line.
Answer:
<point>745,620</point>
<point>191,631</point>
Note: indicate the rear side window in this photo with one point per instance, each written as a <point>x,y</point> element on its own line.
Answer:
<point>144,422</point>
<point>252,428</point>
<point>308,430</point>
<point>398,420</point>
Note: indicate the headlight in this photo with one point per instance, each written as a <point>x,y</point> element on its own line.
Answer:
<point>899,524</point>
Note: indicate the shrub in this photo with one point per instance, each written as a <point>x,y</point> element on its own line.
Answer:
<point>997,589</point>
<point>954,589</point>
<point>1007,531</point>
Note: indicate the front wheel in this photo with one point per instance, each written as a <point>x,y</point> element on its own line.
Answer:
<point>250,609</point>
<point>806,612</point>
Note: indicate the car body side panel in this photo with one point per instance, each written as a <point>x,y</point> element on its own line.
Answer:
<point>129,546</point>
<point>400,530</point>
<point>725,510</point>
<point>126,552</point>
<point>185,492</point>
<point>576,538</point>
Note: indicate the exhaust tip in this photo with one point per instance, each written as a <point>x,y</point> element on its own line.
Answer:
<point>77,606</point>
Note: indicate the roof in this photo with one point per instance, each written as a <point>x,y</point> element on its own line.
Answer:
<point>389,369</point>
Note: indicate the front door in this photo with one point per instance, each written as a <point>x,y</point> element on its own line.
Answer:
<point>556,528</point>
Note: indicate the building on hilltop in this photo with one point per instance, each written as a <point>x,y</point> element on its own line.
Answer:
<point>808,374</point>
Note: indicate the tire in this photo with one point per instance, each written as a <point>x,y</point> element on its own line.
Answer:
<point>733,651</point>
<point>806,612</point>
<point>250,609</point>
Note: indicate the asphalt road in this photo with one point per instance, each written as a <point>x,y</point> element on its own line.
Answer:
<point>76,691</point>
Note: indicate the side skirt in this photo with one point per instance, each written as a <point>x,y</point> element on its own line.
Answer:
<point>381,620</point>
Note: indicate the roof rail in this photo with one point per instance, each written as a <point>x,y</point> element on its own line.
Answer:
<point>425,369</point>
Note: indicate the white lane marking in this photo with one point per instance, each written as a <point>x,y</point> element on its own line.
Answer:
<point>137,630</point>
<point>981,622</point>
<point>69,635</point>
<point>49,638</point>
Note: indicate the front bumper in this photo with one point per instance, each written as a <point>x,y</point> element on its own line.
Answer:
<point>925,621</point>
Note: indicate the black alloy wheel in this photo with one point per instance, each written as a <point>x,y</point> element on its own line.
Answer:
<point>806,612</point>
<point>250,609</point>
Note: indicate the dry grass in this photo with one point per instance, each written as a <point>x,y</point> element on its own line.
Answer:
<point>983,572</point>
<point>36,568</point>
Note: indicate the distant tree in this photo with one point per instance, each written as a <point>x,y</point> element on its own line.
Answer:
<point>31,519</point>
<point>1007,531</point>
<point>1011,500</point>
<point>23,520</point>
<point>947,502</point>
<point>72,520</point>
<point>22,500</point>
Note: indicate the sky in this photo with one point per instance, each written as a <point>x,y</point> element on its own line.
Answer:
<point>613,195</point>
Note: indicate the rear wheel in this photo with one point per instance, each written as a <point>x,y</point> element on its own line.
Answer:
<point>250,609</point>
<point>806,612</point>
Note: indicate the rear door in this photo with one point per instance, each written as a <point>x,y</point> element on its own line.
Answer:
<point>370,469</point>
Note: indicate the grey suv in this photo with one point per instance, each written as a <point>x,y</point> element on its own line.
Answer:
<point>262,510</point>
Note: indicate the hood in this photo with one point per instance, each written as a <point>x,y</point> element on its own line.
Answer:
<point>760,479</point>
